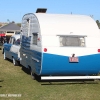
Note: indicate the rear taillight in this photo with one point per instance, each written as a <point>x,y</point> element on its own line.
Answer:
<point>38,39</point>
<point>98,50</point>
<point>45,49</point>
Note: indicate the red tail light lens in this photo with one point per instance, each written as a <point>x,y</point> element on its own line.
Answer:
<point>38,39</point>
<point>98,50</point>
<point>45,49</point>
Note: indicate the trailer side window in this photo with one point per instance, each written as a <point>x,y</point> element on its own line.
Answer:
<point>35,36</point>
<point>78,41</point>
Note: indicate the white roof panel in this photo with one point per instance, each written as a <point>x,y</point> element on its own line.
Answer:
<point>62,24</point>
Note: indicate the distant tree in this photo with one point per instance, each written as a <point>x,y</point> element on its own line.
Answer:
<point>13,22</point>
<point>0,25</point>
<point>19,24</point>
<point>98,23</point>
<point>8,20</point>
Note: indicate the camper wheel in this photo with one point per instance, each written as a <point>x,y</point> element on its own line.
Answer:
<point>32,75</point>
<point>15,62</point>
<point>3,51</point>
<point>4,56</point>
<point>35,77</point>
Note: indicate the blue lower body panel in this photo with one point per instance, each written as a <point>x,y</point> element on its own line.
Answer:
<point>60,65</point>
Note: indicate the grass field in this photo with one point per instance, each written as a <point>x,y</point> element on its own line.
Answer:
<point>16,82</point>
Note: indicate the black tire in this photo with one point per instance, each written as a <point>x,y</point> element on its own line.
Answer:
<point>33,75</point>
<point>15,62</point>
<point>2,51</point>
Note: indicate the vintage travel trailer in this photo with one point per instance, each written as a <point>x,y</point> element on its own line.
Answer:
<point>60,46</point>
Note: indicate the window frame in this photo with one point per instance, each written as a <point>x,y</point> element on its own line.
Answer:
<point>35,41</point>
<point>12,40</point>
<point>78,36</point>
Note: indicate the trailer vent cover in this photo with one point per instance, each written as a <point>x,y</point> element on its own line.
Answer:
<point>41,10</point>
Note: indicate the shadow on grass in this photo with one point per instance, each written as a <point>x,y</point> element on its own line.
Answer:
<point>59,82</point>
<point>9,60</point>
<point>68,82</point>
<point>50,83</point>
<point>12,62</point>
<point>1,81</point>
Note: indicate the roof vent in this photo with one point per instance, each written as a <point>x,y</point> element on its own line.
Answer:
<point>41,10</point>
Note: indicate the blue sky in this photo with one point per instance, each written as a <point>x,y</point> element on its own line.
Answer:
<point>15,9</point>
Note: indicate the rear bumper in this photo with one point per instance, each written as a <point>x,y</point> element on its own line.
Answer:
<point>69,77</point>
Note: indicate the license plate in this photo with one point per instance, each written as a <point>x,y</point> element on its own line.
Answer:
<point>73,59</point>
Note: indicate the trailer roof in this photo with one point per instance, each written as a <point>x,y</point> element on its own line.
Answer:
<point>56,24</point>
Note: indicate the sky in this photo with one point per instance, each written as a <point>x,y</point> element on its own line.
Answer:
<point>14,10</point>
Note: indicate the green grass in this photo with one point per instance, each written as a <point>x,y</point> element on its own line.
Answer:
<point>13,80</point>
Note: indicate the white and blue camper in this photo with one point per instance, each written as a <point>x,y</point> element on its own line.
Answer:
<point>60,46</point>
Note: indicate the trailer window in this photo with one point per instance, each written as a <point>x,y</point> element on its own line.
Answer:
<point>17,42</point>
<point>35,36</point>
<point>72,41</point>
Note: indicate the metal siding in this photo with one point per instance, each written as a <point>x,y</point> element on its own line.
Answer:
<point>34,25</point>
<point>27,47</point>
<point>60,65</point>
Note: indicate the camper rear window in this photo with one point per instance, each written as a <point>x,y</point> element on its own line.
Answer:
<point>35,36</point>
<point>78,41</point>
